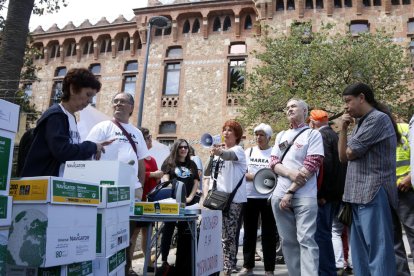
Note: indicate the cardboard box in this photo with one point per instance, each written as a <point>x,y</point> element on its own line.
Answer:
<point>4,236</point>
<point>6,158</point>
<point>56,190</point>
<point>156,208</point>
<point>9,116</point>
<point>45,235</point>
<point>110,266</point>
<point>112,173</point>
<point>5,210</point>
<point>114,196</point>
<point>112,232</point>
<point>76,269</point>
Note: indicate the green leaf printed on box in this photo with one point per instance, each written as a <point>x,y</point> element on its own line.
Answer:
<point>3,207</point>
<point>79,269</point>
<point>5,148</point>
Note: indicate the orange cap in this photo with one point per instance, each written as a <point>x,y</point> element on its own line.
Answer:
<point>318,115</point>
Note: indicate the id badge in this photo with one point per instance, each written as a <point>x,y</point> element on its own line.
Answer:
<point>283,145</point>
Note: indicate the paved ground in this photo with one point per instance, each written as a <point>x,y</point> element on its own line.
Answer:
<point>280,270</point>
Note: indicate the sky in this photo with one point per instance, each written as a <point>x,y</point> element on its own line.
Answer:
<point>79,10</point>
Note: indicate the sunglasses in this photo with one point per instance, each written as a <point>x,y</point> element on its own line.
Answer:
<point>182,147</point>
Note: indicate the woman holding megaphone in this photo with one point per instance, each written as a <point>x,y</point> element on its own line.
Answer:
<point>226,169</point>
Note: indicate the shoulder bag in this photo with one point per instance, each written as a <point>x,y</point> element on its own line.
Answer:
<point>218,200</point>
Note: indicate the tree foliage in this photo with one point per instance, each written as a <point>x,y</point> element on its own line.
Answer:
<point>317,66</point>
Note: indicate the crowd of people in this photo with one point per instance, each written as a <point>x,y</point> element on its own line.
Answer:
<point>366,169</point>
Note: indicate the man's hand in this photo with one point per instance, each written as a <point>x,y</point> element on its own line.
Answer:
<point>321,201</point>
<point>297,176</point>
<point>157,174</point>
<point>345,121</point>
<point>286,202</point>
<point>404,187</point>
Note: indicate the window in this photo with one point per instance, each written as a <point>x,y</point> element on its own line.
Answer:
<point>175,52</point>
<point>217,25</point>
<point>280,6</point>
<point>129,84</point>
<point>239,48</point>
<point>196,26</point>
<point>395,2</point>
<point>348,3</point>
<point>236,75</point>
<point>106,46</point>
<point>124,44</point>
<point>131,66</point>
<point>55,51</point>
<point>88,48</point>
<point>410,26</point>
<point>186,27</point>
<point>167,31</point>
<point>60,72</point>
<point>357,27</point>
<point>309,4</point>
<point>172,78</point>
<point>71,50</point>
<point>319,4</point>
<point>406,2</point>
<point>248,23</point>
<point>227,24</point>
<point>377,2</point>
<point>290,5</point>
<point>167,127</point>
<point>366,3</point>
<point>95,68</point>
<point>56,93</point>
<point>28,90</point>
<point>337,3</point>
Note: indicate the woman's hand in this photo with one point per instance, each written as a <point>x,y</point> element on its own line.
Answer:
<point>216,150</point>
<point>286,202</point>
<point>100,148</point>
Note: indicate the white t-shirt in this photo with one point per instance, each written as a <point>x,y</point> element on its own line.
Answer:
<point>73,132</point>
<point>307,143</point>
<point>230,173</point>
<point>120,149</point>
<point>199,164</point>
<point>256,159</point>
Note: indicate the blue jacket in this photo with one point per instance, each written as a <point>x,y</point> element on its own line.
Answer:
<point>51,145</point>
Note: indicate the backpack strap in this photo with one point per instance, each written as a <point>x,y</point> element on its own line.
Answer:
<point>127,135</point>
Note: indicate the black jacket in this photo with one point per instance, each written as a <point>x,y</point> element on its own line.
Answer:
<point>333,171</point>
<point>51,145</point>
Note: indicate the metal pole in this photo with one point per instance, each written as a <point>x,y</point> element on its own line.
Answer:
<point>144,77</point>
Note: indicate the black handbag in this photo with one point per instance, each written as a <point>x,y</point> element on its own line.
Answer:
<point>345,214</point>
<point>218,200</point>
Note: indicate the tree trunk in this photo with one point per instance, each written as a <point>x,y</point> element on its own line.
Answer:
<point>14,39</point>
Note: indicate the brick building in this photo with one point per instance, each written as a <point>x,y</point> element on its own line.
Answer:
<point>192,65</point>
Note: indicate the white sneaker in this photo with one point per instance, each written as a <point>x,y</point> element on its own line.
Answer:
<point>246,272</point>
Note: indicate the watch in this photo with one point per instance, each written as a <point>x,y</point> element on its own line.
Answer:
<point>290,192</point>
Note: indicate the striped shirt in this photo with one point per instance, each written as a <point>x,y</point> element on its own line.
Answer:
<point>373,141</point>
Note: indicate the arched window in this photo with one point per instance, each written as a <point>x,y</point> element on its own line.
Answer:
<point>309,4</point>
<point>167,127</point>
<point>124,44</point>
<point>366,3</point>
<point>280,6</point>
<point>395,2</point>
<point>217,25</point>
<point>71,50</point>
<point>227,24</point>
<point>290,5</point>
<point>359,26</point>
<point>337,3</point>
<point>95,68</point>
<point>348,3</point>
<point>106,45</point>
<point>167,31</point>
<point>186,27</point>
<point>377,2</point>
<point>319,4</point>
<point>174,52</point>
<point>196,26</point>
<point>248,23</point>
<point>55,51</point>
<point>88,47</point>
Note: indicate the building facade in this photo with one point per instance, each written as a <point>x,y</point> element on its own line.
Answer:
<point>193,65</point>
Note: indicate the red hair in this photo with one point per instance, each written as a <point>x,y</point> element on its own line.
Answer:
<point>236,127</point>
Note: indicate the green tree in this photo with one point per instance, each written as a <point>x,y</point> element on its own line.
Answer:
<point>317,67</point>
<point>14,39</point>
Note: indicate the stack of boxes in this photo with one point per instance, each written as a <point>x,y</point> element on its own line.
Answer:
<point>53,226</point>
<point>117,182</point>
<point>9,118</point>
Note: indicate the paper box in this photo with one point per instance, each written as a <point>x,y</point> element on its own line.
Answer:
<point>56,190</point>
<point>101,172</point>
<point>112,231</point>
<point>45,235</point>
<point>4,235</point>
<point>5,210</point>
<point>110,266</point>
<point>76,269</point>
<point>113,196</point>
<point>6,158</point>
<point>9,116</point>
<point>156,208</point>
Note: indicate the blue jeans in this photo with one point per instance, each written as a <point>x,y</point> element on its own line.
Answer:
<point>372,237</point>
<point>323,238</point>
<point>297,230</point>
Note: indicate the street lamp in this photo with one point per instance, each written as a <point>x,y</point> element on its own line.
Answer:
<point>159,22</point>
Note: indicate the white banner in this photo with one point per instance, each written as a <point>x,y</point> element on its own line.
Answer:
<point>209,250</point>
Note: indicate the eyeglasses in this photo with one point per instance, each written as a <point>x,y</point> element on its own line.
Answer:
<point>183,147</point>
<point>149,137</point>
<point>121,101</point>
